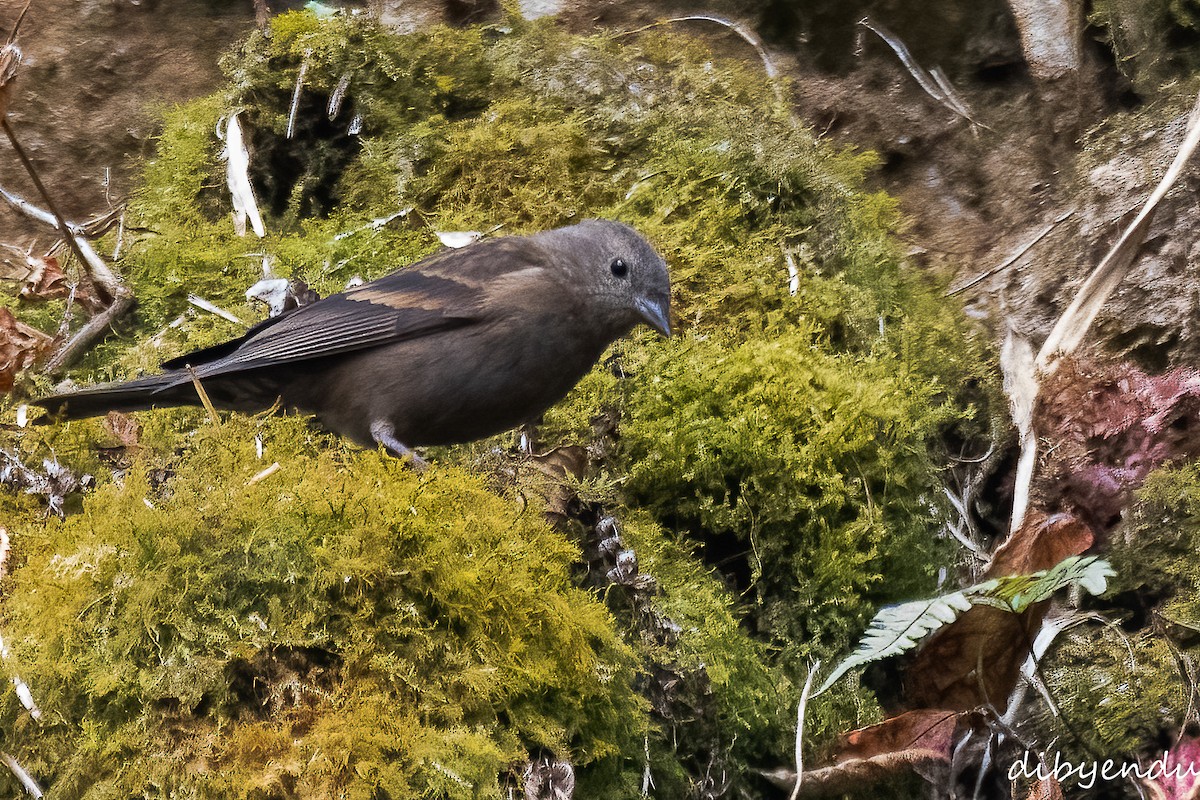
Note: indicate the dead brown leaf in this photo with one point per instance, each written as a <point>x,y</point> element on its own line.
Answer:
<point>917,741</point>
<point>977,659</point>
<point>45,280</point>
<point>123,428</point>
<point>554,468</point>
<point>1045,789</point>
<point>1040,543</point>
<point>20,346</point>
<point>974,661</point>
<point>856,775</point>
<point>925,729</point>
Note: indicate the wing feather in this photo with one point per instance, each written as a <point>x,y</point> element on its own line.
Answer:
<point>446,291</point>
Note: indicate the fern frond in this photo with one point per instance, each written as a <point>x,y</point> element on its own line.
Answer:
<point>899,628</point>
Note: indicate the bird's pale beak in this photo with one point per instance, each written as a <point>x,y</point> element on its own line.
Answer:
<point>656,314</point>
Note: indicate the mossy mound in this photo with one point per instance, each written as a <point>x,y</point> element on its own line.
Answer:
<point>342,628</point>
<point>345,628</point>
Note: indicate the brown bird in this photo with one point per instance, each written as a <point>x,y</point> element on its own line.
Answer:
<point>464,344</point>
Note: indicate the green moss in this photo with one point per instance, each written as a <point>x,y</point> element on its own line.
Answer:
<point>1133,672</point>
<point>817,464</point>
<point>334,619</point>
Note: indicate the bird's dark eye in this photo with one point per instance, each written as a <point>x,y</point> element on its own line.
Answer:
<point>619,268</point>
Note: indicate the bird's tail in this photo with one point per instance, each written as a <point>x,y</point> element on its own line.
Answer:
<point>154,391</point>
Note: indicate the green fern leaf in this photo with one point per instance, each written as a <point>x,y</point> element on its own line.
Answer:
<point>1019,592</point>
<point>899,628</point>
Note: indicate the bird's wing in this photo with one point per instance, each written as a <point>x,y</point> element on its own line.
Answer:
<point>449,290</point>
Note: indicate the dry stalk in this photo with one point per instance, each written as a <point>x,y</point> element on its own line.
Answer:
<point>936,85</point>
<point>204,398</point>
<point>1012,259</point>
<point>800,713</point>
<point>86,336</point>
<point>26,781</point>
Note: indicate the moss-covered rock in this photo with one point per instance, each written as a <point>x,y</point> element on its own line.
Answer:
<point>1154,41</point>
<point>332,630</point>
<point>347,627</point>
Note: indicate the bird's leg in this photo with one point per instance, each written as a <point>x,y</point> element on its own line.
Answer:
<point>528,439</point>
<point>383,433</point>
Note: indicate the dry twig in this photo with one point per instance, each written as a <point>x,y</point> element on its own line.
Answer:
<point>1008,262</point>
<point>935,84</point>
<point>21,775</point>
<point>800,709</point>
<point>106,281</point>
<point>204,398</point>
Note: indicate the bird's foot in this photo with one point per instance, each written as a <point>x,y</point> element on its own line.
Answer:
<point>383,433</point>
<point>527,442</point>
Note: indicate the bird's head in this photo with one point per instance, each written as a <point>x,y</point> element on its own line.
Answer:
<point>625,280</point>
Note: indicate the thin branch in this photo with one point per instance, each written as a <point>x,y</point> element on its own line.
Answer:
<point>800,713</point>
<point>935,85</point>
<point>204,399</point>
<point>205,305</point>
<point>21,775</point>
<point>266,473</point>
<point>101,275</point>
<point>1021,385</point>
<point>291,125</point>
<point>12,37</point>
<point>96,327</point>
<point>1012,259</point>
<point>262,14</point>
<point>108,283</point>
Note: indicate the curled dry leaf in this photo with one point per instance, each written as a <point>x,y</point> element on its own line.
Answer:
<point>919,741</point>
<point>41,278</point>
<point>281,295</point>
<point>45,280</point>
<point>10,62</point>
<point>552,473</point>
<point>1040,543</point>
<point>20,346</point>
<point>925,730</point>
